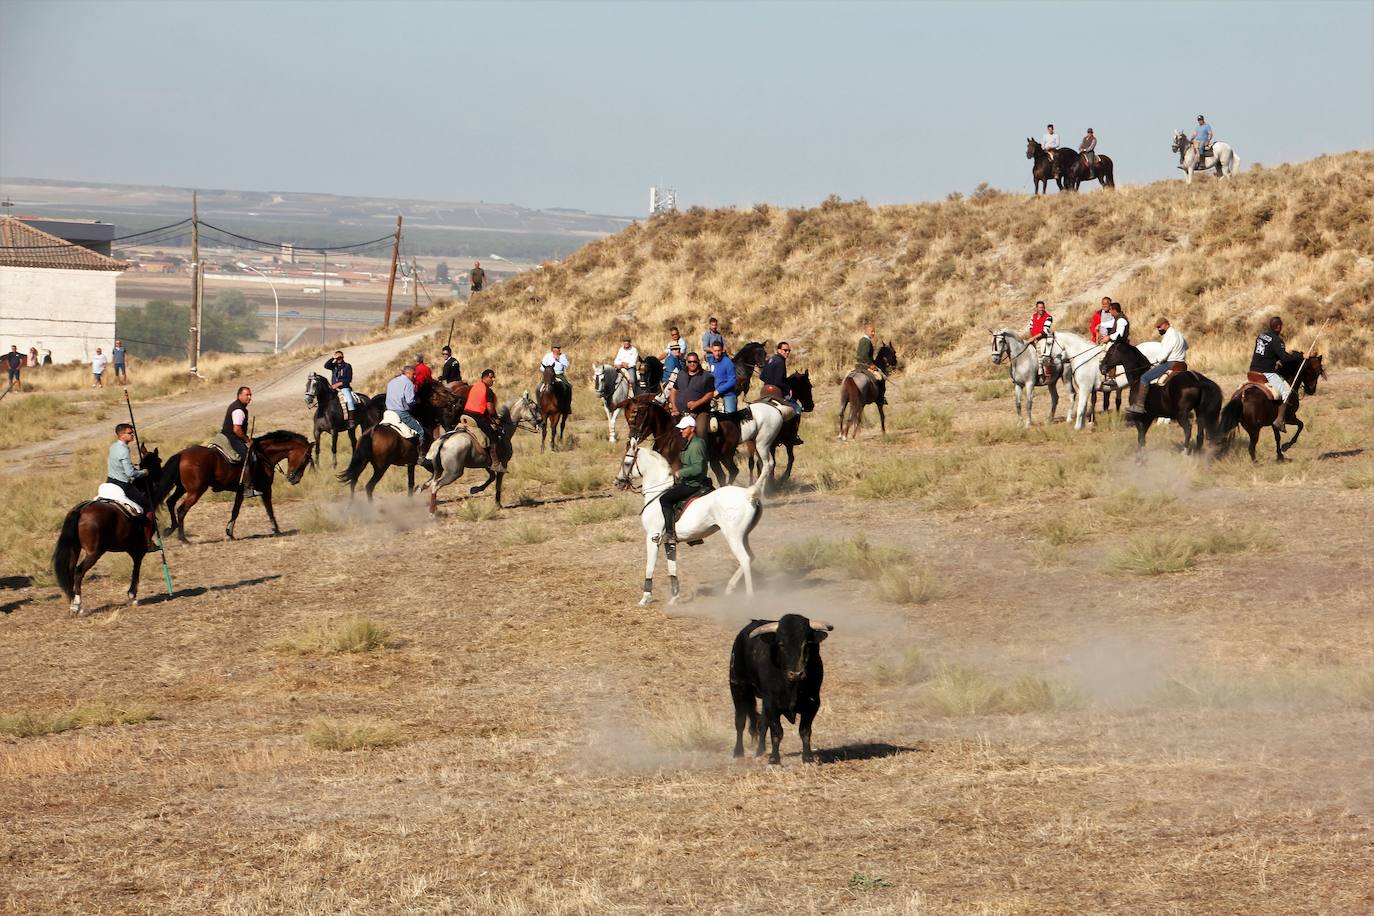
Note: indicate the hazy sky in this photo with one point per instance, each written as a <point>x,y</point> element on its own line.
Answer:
<point>587,104</point>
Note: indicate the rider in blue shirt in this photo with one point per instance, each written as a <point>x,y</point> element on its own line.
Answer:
<point>723,375</point>
<point>400,397</point>
<point>1203,136</point>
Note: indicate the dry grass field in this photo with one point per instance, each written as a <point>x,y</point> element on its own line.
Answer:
<point>1059,681</point>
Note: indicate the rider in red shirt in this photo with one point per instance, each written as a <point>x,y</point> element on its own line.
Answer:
<point>480,405</point>
<point>422,370</point>
<point>1041,324</point>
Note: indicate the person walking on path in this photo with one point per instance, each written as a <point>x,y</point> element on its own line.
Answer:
<point>477,277</point>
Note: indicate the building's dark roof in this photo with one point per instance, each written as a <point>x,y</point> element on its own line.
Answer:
<point>21,245</point>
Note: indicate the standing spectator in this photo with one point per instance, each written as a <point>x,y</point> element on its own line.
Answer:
<point>14,362</point>
<point>477,277</point>
<point>98,364</point>
<point>422,371</point>
<point>712,336</point>
<point>119,355</point>
<point>32,361</point>
<point>47,357</point>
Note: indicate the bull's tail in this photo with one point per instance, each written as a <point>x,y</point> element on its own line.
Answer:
<point>66,552</point>
<point>361,456</point>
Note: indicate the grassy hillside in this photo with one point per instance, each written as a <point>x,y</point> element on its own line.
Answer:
<point>1215,257</point>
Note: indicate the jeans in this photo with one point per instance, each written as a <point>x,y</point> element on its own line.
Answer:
<point>408,420</point>
<point>1281,388</point>
<point>1154,373</point>
<point>348,398</point>
<point>730,402</point>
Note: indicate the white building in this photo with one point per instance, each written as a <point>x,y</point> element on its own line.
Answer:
<point>54,295</point>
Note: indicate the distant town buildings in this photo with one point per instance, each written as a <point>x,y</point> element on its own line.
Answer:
<point>56,294</point>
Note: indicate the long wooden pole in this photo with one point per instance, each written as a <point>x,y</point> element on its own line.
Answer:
<point>193,342</point>
<point>391,283</point>
<point>148,488</point>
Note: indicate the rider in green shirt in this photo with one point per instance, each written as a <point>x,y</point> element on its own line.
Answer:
<point>693,479</point>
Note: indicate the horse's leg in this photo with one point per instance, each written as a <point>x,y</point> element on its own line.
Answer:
<point>651,557</point>
<point>318,433</point>
<point>1030,401</point>
<point>670,554</point>
<point>267,504</point>
<point>739,546</point>
<point>133,579</point>
<point>882,417</point>
<point>185,507</point>
<point>1054,400</point>
<point>234,514</point>
<point>174,523</point>
<point>378,469</point>
<point>92,556</point>
<point>1289,443</point>
<point>333,447</point>
<point>352,440</point>
<point>410,479</point>
<point>787,473</point>
<point>1278,445</point>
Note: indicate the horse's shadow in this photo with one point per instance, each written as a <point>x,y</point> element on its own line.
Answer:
<point>193,592</point>
<point>872,750</point>
<point>16,581</point>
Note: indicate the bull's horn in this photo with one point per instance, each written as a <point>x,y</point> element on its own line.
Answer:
<point>764,628</point>
<point>821,625</point>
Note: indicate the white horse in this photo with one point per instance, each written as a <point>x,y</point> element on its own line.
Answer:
<point>733,511</point>
<point>1223,159</point>
<point>455,451</point>
<point>1083,367</point>
<point>760,429</point>
<point>1022,364</point>
<point>619,394</point>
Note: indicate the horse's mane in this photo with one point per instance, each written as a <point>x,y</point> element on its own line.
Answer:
<point>284,435</point>
<point>653,458</point>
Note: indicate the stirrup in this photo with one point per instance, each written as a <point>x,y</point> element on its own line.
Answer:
<point>250,493</point>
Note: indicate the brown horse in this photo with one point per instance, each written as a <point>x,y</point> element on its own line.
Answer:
<point>859,389</point>
<point>1080,171</point>
<point>1043,166</point>
<point>97,527</point>
<point>436,407</point>
<point>555,406</point>
<point>198,468</point>
<point>1253,409</point>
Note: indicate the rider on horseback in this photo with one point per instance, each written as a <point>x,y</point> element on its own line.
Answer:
<point>725,380</point>
<point>865,361</point>
<point>1088,149</point>
<point>692,479</point>
<point>1050,144</point>
<point>1268,357</point>
<point>627,361</point>
<point>400,397</point>
<point>481,407</point>
<point>1202,139</point>
<point>120,471</point>
<point>773,375</point>
<point>235,430</point>
<point>450,371</point>
<point>341,380</point>
<point>693,397</point>
<point>1175,349</point>
<point>557,360</point>
<point>1041,329</point>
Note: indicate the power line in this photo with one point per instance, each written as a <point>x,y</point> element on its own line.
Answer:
<point>118,238</point>
<point>319,248</point>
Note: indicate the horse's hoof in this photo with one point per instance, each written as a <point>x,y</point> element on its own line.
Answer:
<point>133,601</point>
<point>647,599</point>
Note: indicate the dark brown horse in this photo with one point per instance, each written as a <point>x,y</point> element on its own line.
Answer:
<point>1251,408</point>
<point>646,417</point>
<point>198,468</point>
<point>555,406</point>
<point>330,417</point>
<point>96,528</point>
<point>859,389</point>
<point>1188,395</point>
<point>1078,171</point>
<point>1043,169</point>
<point>436,407</point>
<point>748,360</point>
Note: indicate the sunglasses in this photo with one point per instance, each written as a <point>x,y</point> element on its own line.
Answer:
<point>785,350</point>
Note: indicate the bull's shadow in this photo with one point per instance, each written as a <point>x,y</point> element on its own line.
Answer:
<point>874,750</point>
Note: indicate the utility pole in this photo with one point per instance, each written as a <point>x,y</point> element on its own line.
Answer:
<point>193,343</point>
<point>391,283</point>
<point>415,276</point>
<point>324,298</point>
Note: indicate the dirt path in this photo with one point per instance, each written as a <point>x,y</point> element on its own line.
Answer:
<point>278,401</point>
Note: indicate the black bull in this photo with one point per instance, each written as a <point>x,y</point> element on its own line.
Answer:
<point>779,662</point>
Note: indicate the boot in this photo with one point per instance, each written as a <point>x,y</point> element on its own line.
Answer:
<point>1137,404</point>
<point>668,536</point>
<point>349,419</point>
<point>151,532</point>
<point>498,465</point>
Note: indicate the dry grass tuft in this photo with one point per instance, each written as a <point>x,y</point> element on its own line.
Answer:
<point>353,634</point>
<point>30,724</point>
<point>352,734</point>
<point>526,533</point>
<point>477,510</point>
<point>689,727</point>
<point>964,692</point>
<point>1148,554</point>
<point>598,511</point>
<point>902,585</point>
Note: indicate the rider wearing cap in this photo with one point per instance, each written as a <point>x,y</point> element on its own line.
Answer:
<point>692,479</point>
<point>1088,149</point>
<point>1203,138</point>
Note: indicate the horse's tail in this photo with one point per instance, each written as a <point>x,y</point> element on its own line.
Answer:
<point>1230,419</point>
<point>755,492</point>
<point>1110,172</point>
<point>171,473</point>
<point>361,456</point>
<point>1209,409</point>
<point>1234,165</point>
<point>68,546</point>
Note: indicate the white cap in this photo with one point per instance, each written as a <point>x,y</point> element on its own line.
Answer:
<point>687,423</point>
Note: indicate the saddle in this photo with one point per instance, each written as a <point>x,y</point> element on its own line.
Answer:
<point>773,398</point>
<point>343,401</point>
<point>220,443</point>
<point>109,493</point>
<point>468,425</point>
<point>1257,380</point>
<point>390,418</point>
<point>1174,369</point>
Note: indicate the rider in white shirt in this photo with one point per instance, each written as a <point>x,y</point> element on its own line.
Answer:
<point>627,358</point>
<point>1175,349</point>
<point>1051,140</point>
<point>558,360</point>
